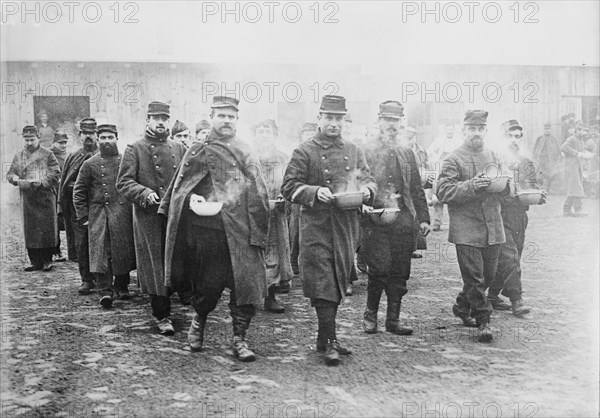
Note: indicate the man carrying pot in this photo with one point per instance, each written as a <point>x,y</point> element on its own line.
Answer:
<point>388,242</point>
<point>320,167</point>
<point>476,226</point>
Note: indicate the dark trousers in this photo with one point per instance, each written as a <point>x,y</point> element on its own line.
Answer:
<point>104,282</point>
<point>39,256</point>
<point>572,202</point>
<point>508,276</point>
<point>478,267</point>
<point>387,250</point>
<point>68,219</point>
<point>210,271</point>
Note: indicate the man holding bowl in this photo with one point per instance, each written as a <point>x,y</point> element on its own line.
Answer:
<point>321,167</point>
<point>476,226</point>
<point>388,239</point>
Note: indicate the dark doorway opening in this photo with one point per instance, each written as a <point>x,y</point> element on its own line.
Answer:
<point>64,112</point>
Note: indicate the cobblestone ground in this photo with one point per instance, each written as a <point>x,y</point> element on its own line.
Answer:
<point>64,356</point>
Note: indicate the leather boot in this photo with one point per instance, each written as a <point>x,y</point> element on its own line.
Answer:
<point>392,321</point>
<point>369,322</point>
<point>241,349</point>
<point>331,355</point>
<point>484,333</point>
<point>241,317</point>
<point>196,333</point>
<point>519,308</point>
<point>466,318</point>
<point>498,303</point>
<point>374,290</point>
<point>271,303</point>
<point>326,340</point>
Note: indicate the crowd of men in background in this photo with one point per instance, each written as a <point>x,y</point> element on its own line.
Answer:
<point>198,212</point>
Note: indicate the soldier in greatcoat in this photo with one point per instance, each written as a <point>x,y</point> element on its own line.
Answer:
<point>59,149</point>
<point>108,216</point>
<point>277,252</point>
<point>476,226</point>
<point>546,152</point>
<point>575,153</point>
<point>388,248</point>
<point>320,167</point>
<point>147,167</point>
<point>73,163</point>
<point>36,172</point>
<point>225,249</point>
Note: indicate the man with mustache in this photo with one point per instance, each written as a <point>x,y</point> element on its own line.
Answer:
<point>325,165</point>
<point>388,248</point>
<point>224,250</point>
<point>73,163</point>
<point>108,217</point>
<point>146,169</point>
<point>476,226</point>
<point>36,172</point>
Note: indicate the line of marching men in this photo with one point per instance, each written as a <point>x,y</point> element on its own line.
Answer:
<point>196,220</point>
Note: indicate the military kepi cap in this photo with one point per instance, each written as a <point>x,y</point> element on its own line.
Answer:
<point>60,136</point>
<point>512,125</point>
<point>476,117</point>
<point>107,127</point>
<point>203,124</point>
<point>178,127</point>
<point>88,125</point>
<point>30,130</point>
<point>158,108</point>
<point>391,109</point>
<point>333,104</point>
<point>225,101</point>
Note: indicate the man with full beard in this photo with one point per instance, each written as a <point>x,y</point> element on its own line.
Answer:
<point>223,249</point>
<point>108,216</point>
<point>146,170</point>
<point>475,221</point>
<point>73,163</point>
<point>325,165</point>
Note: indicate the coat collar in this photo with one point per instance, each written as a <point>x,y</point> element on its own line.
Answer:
<point>326,142</point>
